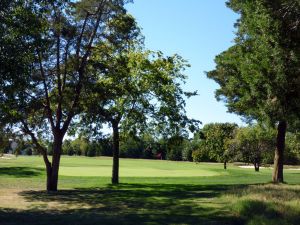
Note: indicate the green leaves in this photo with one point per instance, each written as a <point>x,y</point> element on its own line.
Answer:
<point>255,75</point>
<point>213,145</point>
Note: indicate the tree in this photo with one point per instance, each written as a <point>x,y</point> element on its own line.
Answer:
<point>259,76</point>
<point>42,94</point>
<point>251,144</point>
<point>132,84</point>
<point>215,138</point>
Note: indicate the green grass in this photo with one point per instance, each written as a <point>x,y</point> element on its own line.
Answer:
<point>151,192</point>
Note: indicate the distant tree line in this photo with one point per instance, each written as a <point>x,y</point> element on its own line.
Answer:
<point>215,142</point>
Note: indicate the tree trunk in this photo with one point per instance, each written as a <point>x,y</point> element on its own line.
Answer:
<point>52,170</point>
<point>225,165</point>
<point>278,159</point>
<point>256,166</point>
<point>115,168</point>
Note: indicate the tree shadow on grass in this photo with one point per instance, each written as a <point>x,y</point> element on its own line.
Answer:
<point>155,204</point>
<point>20,172</point>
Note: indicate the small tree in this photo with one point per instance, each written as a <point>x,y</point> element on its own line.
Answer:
<point>252,143</point>
<point>214,144</point>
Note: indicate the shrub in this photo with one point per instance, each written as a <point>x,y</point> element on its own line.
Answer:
<point>28,151</point>
<point>175,153</point>
<point>200,155</point>
<point>187,151</point>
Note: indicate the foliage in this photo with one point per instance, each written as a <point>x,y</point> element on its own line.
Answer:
<point>292,153</point>
<point>4,140</point>
<point>214,144</point>
<point>42,95</point>
<point>259,75</point>
<point>187,151</point>
<point>67,148</point>
<point>131,146</point>
<point>200,154</point>
<point>252,144</point>
<point>133,87</point>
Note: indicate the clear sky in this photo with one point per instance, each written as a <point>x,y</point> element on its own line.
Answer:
<point>198,30</point>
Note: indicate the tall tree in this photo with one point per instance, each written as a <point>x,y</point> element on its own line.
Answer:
<point>259,76</point>
<point>135,90</point>
<point>132,84</point>
<point>43,94</point>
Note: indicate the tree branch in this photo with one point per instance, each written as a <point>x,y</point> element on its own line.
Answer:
<point>48,104</point>
<point>39,147</point>
<point>81,69</point>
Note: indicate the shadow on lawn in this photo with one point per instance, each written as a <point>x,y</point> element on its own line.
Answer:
<point>19,172</point>
<point>155,204</point>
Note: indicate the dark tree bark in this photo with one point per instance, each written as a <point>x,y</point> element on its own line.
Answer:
<point>256,166</point>
<point>278,159</point>
<point>225,165</point>
<point>115,168</point>
<point>53,169</point>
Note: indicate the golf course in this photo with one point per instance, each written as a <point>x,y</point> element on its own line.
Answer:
<point>150,192</point>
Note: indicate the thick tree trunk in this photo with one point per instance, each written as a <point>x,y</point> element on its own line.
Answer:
<point>115,168</point>
<point>278,159</point>
<point>256,166</point>
<point>225,165</point>
<point>52,170</point>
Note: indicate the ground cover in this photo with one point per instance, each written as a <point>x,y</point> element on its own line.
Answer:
<point>151,192</point>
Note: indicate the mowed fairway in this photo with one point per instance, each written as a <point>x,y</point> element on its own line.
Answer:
<point>151,192</point>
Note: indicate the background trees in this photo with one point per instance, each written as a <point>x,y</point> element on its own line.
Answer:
<point>258,76</point>
<point>215,140</point>
<point>252,144</point>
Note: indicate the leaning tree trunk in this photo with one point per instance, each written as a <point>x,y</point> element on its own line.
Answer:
<point>115,167</point>
<point>53,168</point>
<point>278,159</point>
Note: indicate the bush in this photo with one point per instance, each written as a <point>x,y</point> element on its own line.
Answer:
<point>76,149</point>
<point>200,155</point>
<point>28,151</point>
<point>292,150</point>
<point>91,151</point>
<point>104,147</point>
<point>175,153</point>
<point>131,147</point>
<point>70,151</point>
<point>187,152</point>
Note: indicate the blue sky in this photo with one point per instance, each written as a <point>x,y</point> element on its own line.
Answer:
<point>198,30</point>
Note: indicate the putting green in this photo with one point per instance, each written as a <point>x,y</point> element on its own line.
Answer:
<point>133,172</point>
